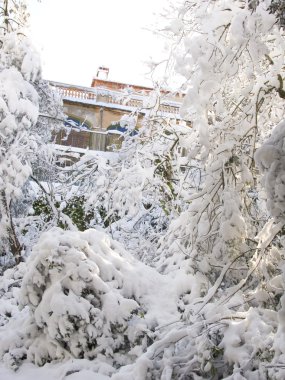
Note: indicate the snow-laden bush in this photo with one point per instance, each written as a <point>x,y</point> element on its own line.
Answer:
<point>10,283</point>
<point>136,195</point>
<point>83,298</point>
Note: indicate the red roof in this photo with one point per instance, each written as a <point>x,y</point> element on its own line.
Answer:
<point>97,82</point>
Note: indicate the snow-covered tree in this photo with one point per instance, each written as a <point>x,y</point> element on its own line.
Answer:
<point>24,132</point>
<point>231,55</point>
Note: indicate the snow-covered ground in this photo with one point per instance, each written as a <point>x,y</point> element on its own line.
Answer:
<point>70,370</point>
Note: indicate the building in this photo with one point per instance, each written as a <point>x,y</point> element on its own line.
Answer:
<point>94,114</point>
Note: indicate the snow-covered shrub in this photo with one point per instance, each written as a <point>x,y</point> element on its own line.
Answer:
<point>138,191</point>
<point>10,284</point>
<point>83,297</point>
<point>73,208</point>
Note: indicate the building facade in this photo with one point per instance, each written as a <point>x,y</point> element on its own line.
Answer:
<point>95,114</point>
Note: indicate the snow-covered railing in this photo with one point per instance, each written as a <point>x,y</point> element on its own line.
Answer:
<point>100,95</point>
<point>97,96</point>
<point>122,100</point>
<point>75,93</point>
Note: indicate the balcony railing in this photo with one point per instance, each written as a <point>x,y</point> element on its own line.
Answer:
<point>76,93</point>
<point>103,96</point>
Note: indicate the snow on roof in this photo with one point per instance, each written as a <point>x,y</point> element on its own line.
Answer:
<point>127,85</point>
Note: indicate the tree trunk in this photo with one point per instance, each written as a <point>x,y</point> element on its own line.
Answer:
<point>15,246</point>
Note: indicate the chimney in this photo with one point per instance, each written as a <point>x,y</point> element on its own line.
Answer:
<point>102,72</point>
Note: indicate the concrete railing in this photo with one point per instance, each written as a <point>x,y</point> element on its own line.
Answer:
<point>101,95</point>
<point>76,93</point>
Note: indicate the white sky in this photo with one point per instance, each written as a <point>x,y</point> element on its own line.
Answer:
<point>75,37</point>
